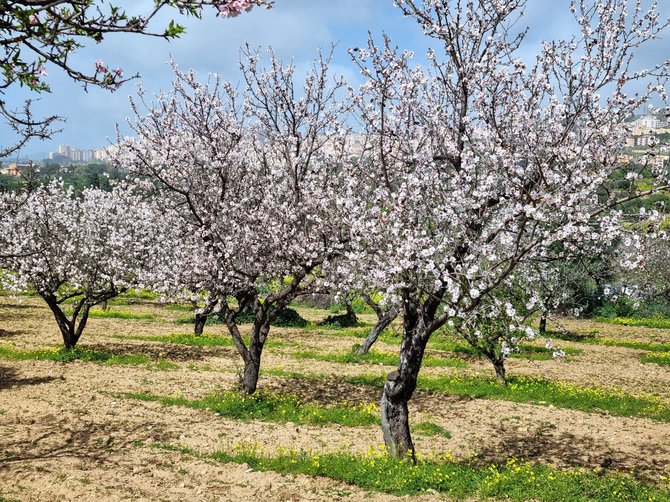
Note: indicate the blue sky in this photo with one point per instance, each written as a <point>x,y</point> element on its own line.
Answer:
<point>294,28</point>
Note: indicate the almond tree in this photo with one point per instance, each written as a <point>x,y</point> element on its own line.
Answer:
<point>76,252</point>
<point>251,179</point>
<point>37,35</point>
<point>483,161</point>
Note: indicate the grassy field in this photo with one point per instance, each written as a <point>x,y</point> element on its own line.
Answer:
<point>144,410</point>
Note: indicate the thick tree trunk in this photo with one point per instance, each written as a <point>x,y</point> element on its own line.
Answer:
<point>70,330</point>
<point>250,355</point>
<point>70,337</point>
<point>252,367</point>
<point>499,366</point>
<point>395,420</point>
<point>200,320</point>
<point>377,330</point>
<point>543,323</point>
<point>400,386</point>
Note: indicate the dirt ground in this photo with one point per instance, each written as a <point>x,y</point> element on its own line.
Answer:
<point>65,434</point>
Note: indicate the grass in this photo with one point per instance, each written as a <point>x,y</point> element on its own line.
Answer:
<point>272,408</point>
<point>196,341</point>
<point>376,357</point>
<point>632,344</point>
<point>512,480</point>
<point>661,358</point>
<point>360,332</point>
<point>647,322</point>
<point>430,429</point>
<point>610,342</point>
<point>87,355</point>
<point>537,391</point>
<point>114,314</point>
<point>526,351</point>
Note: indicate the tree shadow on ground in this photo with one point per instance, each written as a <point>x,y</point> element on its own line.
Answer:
<point>84,441</point>
<point>324,392</point>
<point>156,351</point>
<point>567,450</point>
<point>10,334</point>
<point>17,306</point>
<point>9,378</point>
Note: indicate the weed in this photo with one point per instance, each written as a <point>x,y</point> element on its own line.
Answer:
<point>63,355</point>
<point>512,480</point>
<point>661,358</point>
<point>375,357</point>
<point>115,314</point>
<point>648,322</point>
<point>271,408</point>
<point>431,429</point>
<point>539,391</point>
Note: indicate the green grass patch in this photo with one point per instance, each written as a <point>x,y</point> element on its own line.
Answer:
<point>360,332</point>
<point>198,341</point>
<point>431,429</point>
<point>632,344</point>
<point>376,357</point>
<point>611,342</point>
<point>83,354</point>
<point>647,322</point>
<point>114,314</point>
<point>559,394</point>
<point>526,351</point>
<point>537,391</point>
<point>661,358</point>
<point>512,480</point>
<point>272,408</point>
<point>176,307</point>
<point>183,339</point>
<point>190,319</point>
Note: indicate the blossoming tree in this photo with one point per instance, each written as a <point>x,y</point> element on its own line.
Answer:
<point>251,179</point>
<point>76,252</point>
<point>484,161</point>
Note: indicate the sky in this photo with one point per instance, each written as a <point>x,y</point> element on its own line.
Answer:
<point>295,29</point>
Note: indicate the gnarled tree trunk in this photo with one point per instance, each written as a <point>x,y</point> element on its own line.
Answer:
<point>200,320</point>
<point>71,329</point>
<point>499,367</point>
<point>400,384</point>
<point>251,355</point>
<point>252,367</point>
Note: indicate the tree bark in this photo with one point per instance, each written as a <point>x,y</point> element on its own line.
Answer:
<point>202,315</point>
<point>250,355</point>
<point>200,320</point>
<point>543,323</point>
<point>70,329</point>
<point>499,366</point>
<point>252,367</point>
<point>377,330</point>
<point>400,385</point>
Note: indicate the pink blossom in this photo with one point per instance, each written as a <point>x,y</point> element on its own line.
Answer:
<point>234,8</point>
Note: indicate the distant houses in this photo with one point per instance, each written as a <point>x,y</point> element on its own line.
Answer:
<point>15,169</point>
